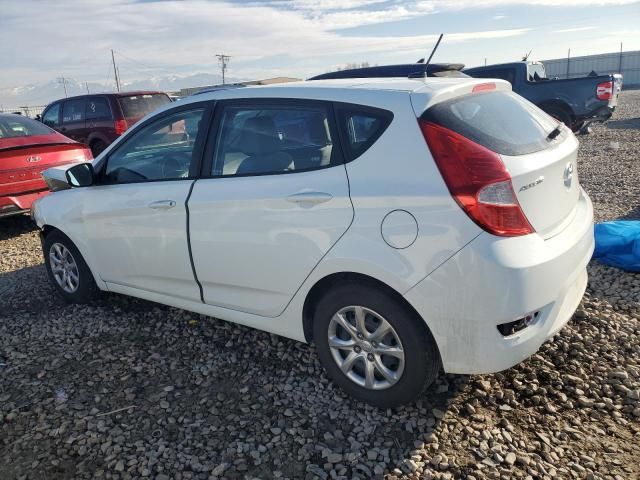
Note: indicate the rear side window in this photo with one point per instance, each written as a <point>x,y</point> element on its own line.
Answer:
<point>51,117</point>
<point>264,139</point>
<point>135,107</point>
<point>18,126</point>
<point>98,109</point>
<point>361,127</point>
<point>73,111</point>
<point>503,122</point>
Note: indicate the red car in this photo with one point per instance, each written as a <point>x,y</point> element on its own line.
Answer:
<point>27,148</point>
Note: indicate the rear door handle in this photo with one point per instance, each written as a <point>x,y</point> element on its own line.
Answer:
<point>308,199</point>
<point>162,204</point>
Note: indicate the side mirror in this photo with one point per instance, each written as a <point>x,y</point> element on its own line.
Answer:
<point>80,175</point>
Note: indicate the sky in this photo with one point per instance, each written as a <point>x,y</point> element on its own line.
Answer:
<point>41,40</point>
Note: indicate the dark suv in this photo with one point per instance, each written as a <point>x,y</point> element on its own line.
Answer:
<point>97,120</point>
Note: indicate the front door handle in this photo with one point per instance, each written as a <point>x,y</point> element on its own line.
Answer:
<point>162,204</point>
<point>308,199</point>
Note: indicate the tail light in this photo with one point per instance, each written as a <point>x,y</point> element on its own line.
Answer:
<point>88,156</point>
<point>604,91</point>
<point>120,126</point>
<point>478,181</point>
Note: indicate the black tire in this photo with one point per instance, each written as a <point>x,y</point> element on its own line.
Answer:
<point>86,290</point>
<point>421,356</point>
<point>97,146</point>
<point>559,114</point>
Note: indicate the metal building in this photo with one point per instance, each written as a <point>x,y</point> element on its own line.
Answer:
<point>627,63</point>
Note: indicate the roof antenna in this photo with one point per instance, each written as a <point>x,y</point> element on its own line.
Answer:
<point>426,64</point>
<point>423,72</point>
<point>526,57</point>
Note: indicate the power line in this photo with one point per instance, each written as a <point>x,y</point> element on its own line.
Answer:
<point>223,60</point>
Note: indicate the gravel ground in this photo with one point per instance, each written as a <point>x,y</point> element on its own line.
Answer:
<point>126,388</point>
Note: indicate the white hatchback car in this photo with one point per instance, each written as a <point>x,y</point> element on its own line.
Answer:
<point>402,225</point>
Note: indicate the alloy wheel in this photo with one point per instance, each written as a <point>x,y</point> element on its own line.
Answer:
<point>366,348</point>
<point>64,268</point>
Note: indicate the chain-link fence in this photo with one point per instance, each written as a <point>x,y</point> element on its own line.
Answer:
<point>31,111</point>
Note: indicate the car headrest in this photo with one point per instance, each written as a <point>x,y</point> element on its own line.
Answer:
<point>259,136</point>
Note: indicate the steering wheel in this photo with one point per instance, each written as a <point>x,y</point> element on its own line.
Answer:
<point>175,166</point>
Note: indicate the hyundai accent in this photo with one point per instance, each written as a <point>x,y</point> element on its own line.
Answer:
<point>403,226</point>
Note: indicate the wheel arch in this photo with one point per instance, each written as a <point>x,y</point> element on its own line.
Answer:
<point>559,104</point>
<point>315,293</point>
<point>47,229</point>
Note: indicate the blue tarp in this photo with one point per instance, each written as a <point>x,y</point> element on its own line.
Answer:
<point>618,244</point>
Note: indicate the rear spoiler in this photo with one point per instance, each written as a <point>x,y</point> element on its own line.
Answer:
<point>42,144</point>
<point>407,70</point>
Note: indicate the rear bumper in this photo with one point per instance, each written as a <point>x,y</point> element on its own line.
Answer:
<point>599,115</point>
<point>15,204</point>
<point>497,280</point>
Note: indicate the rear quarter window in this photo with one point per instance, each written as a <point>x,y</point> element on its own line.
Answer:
<point>137,106</point>
<point>361,127</point>
<point>98,109</point>
<point>503,122</point>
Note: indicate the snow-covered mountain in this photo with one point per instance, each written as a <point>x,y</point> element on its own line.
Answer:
<point>44,93</point>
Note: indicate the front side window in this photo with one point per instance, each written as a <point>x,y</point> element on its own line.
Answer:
<point>272,139</point>
<point>162,150</point>
<point>51,117</point>
<point>98,109</point>
<point>73,111</point>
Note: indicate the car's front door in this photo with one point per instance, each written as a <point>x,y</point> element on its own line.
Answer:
<point>136,222</point>
<point>276,201</point>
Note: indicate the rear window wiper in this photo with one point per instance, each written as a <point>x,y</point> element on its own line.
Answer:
<point>555,132</point>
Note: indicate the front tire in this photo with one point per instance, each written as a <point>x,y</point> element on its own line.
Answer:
<point>373,346</point>
<point>67,269</point>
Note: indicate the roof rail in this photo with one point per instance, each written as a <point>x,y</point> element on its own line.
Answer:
<point>410,70</point>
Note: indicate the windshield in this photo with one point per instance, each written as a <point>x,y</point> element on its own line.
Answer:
<point>137,106</point>
<point>18,126</point>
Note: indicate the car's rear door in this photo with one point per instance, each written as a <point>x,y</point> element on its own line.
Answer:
<point>275,201</point>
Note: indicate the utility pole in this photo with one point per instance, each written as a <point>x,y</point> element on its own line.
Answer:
<point>223,60</point>
<point>568,61</point>
<point>86,85</point>
<point>620,61</point>
<point>115,70</point>
<point>64,84</point>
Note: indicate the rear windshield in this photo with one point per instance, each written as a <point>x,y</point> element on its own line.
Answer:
<point>137,106</point>
<point>17,126</point>
<point>504,122</point>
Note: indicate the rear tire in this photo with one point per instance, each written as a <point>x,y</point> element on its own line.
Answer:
<point>67,269</point>
<point>97,147</point>
<point>559,114</point>
<point>394,381</point>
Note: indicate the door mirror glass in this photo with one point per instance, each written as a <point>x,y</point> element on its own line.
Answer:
<point>80,175</point>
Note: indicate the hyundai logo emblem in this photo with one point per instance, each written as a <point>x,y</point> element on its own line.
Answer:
<point>568,175</point>
<point>33,158</point>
